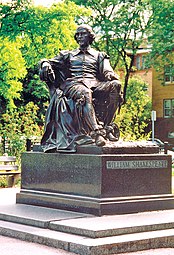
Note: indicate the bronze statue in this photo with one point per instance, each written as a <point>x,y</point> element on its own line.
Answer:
<point>84,96</point>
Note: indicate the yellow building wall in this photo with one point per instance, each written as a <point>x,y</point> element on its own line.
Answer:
<point>159,93</point>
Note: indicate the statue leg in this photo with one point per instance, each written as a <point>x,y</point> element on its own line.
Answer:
<point>113,99</point>
<point>83,98</point>
<point>109,92</point>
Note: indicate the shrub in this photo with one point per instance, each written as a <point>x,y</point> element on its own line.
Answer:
<point>17,125</point>
<point>135,115</point>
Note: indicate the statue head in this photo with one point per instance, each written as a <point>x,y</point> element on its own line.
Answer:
<point>87,31</point>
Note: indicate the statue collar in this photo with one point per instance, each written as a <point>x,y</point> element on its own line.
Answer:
<point>89,50</point>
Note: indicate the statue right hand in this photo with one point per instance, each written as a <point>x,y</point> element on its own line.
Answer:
<point>47,73</point>
<point>46,64</point>
<point>46,68</point>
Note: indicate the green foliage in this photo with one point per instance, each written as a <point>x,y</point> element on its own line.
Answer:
<point>19,124</point>
<point>160,33</point>
<point>12,70</point>
<point>135,115</point>
<point>44,31</point>
<point>11,18</point>
<point>34,90</point>
<point>3,181</point>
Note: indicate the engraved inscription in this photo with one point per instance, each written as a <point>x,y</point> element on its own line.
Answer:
<point>136,164</point>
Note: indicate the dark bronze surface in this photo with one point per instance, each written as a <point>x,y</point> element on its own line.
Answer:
<point>85,94</point>
<point>113,148</point>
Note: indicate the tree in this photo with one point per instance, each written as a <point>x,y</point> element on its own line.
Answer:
<point>44,31</point>
<point>135,116</point>
<point>12,71</point>
<point>160,33</point>
<point>11,19</point>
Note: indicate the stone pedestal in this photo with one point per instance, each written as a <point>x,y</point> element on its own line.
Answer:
<point>98,182</point>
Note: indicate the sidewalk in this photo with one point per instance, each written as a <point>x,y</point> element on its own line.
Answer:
<point>12,246</point>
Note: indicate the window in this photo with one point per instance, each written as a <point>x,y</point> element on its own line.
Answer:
<point>168,108</point>
<point>138,64</point>
<point>169,74</point>
<point>144,62</point>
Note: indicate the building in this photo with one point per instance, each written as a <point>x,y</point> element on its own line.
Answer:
<point>161,90</point>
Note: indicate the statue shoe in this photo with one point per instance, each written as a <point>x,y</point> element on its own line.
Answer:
<point>111,137</point>
<point>99,140</point>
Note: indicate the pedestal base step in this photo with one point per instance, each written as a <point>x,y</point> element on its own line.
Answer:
<point>90,246</point>
<point>96,206</point>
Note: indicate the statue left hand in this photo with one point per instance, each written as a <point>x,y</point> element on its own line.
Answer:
<point>112,76</point>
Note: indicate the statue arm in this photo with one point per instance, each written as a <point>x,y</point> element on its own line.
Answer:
<point>51,69</point>
<point>109,75</point>
<point>108,72</point>
<point>48,72</point>
<point>105,69</point>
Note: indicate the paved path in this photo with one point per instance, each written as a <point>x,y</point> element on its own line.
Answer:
<point>11,246</point>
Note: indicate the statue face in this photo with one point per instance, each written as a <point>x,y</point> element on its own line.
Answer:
<point>82,37</point>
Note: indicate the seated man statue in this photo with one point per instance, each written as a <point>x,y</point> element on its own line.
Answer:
<point>81,83</point>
